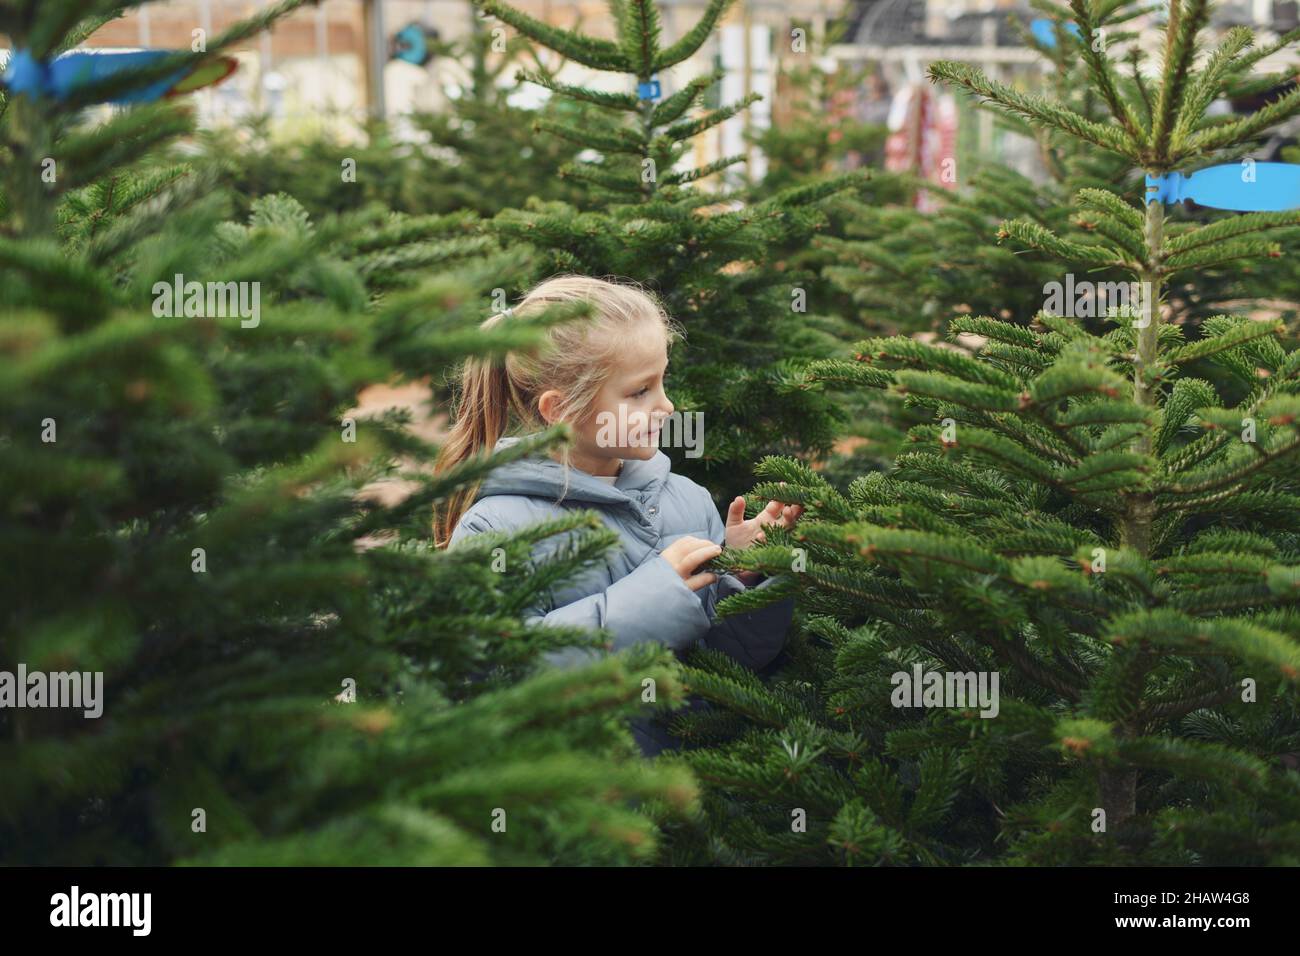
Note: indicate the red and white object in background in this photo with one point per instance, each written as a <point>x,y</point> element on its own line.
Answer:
<point>923,134</point>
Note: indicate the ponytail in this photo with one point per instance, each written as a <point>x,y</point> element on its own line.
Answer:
<point>486,396</point>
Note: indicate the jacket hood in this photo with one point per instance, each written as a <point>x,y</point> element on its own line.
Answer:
<point>541,476</point>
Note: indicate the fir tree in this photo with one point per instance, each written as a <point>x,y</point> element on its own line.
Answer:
<point>749,323</point>
<point>1279,282</point>
<point>899,270</point>
<point>290,673</point>
<point>908,270</point>
<point>1115,537</point>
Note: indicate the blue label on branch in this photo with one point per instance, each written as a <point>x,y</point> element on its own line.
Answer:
<point>1247,186</point>
<point>1044,34</point>
<point>413,44</point>
<point>59,78</point>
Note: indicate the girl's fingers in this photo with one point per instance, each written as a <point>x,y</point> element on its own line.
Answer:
<point>701,580</point>
<point>697,557</point>
<point>780,514</point>
<point>736,511</point>
<point>770,514</point>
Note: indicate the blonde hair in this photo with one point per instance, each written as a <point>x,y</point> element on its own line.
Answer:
<point>576,360</point>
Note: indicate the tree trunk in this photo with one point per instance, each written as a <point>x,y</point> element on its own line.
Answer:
<point>1118,785</point>
<point>1118,795</point>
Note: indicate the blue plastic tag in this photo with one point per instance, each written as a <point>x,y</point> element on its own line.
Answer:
<point>1247,186</point>
<point>57,79</point>
<point>1044,34</point>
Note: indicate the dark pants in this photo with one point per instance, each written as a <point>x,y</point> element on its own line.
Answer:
<point>651,732</point>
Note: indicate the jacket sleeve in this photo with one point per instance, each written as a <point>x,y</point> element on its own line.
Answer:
<point>754,638</point>
<point>652,603</point>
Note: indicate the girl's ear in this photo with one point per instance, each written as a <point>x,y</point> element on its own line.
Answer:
<point>548,404</point>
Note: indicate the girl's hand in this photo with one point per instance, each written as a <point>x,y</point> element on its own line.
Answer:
<point>686,554</point>
<point>743,534</point>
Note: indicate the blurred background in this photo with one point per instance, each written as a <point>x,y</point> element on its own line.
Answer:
<point>328,70</point>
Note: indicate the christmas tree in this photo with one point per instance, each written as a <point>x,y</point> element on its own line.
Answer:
<point>897,269</point>
<point>910,270</point>
<point>217,647</point>
<point>1083,518</point>
<point>749,323</point>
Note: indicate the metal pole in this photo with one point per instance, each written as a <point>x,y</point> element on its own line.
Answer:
<point>322,56</point>
<point>266,56</point>
<point>376,55</point>
<point>747,70</point>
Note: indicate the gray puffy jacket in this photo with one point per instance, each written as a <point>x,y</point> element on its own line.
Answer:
<point>635,593</point>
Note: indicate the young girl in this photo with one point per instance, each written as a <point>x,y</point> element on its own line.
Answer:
<point>596,375</point>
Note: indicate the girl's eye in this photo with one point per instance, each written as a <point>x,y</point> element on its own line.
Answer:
<point>638,394</point>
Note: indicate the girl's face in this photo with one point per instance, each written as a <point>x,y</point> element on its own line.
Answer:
<point>629,409</point>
